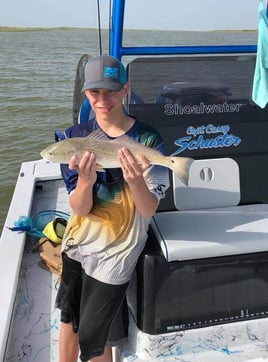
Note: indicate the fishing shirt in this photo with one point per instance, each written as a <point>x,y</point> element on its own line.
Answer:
<point>108,241</point>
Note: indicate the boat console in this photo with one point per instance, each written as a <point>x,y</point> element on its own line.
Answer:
<point>206,259</point>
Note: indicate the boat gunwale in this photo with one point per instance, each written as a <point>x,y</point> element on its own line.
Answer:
<point>12,243</point>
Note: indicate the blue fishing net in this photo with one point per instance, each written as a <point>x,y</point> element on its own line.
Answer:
<point>34,226</point>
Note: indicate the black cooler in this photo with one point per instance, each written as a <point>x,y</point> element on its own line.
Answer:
<point>183,294</point>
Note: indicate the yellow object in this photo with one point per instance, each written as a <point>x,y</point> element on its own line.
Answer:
<point>54,230</point>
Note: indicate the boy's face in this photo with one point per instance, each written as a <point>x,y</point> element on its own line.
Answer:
<point>106,102</point>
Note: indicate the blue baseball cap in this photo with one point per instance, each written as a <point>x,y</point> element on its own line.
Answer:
<point>104,72</point>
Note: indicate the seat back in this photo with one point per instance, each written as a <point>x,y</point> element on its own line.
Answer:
<point>212,183</point>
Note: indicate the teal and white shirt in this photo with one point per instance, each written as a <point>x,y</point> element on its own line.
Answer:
<point>109,240</point>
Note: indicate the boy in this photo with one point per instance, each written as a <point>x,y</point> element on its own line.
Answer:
<point>111,212</point>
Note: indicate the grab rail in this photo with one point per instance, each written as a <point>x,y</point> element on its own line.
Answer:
<point>117,50</point>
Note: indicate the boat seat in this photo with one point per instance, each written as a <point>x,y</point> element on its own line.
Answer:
<point>85,112</point>
<point>208,222</point>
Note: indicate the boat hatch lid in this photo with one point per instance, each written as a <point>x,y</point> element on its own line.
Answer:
<point>209,233</point>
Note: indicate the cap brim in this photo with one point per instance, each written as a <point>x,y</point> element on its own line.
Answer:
<point>103,85</point>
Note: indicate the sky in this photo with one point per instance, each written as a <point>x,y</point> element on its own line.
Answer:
<point>140,14</point>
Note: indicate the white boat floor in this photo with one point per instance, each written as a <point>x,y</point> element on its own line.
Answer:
<point>34,329</point>
<point>230,342</point>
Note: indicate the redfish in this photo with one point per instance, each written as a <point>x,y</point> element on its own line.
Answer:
<point>105,151</point>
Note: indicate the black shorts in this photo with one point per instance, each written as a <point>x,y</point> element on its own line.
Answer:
<point>97,311</point>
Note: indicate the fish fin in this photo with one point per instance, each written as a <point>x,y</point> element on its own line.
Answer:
<point>148,169</point>
<point>99,135</point>
<point>181,166</point>
<point>99,168</point>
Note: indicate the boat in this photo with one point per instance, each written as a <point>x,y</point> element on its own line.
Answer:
<point>200,289</point>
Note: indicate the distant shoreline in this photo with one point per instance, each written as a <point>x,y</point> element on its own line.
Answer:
<point>19,28</point>
<point>25,29</point>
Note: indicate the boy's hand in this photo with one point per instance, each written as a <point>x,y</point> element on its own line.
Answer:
<point>132,169</point>
<point>86,168</point>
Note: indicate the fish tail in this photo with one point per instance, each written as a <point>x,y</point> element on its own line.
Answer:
<point>180,166</point>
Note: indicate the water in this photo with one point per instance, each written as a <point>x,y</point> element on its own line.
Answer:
<point>37,72</point>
